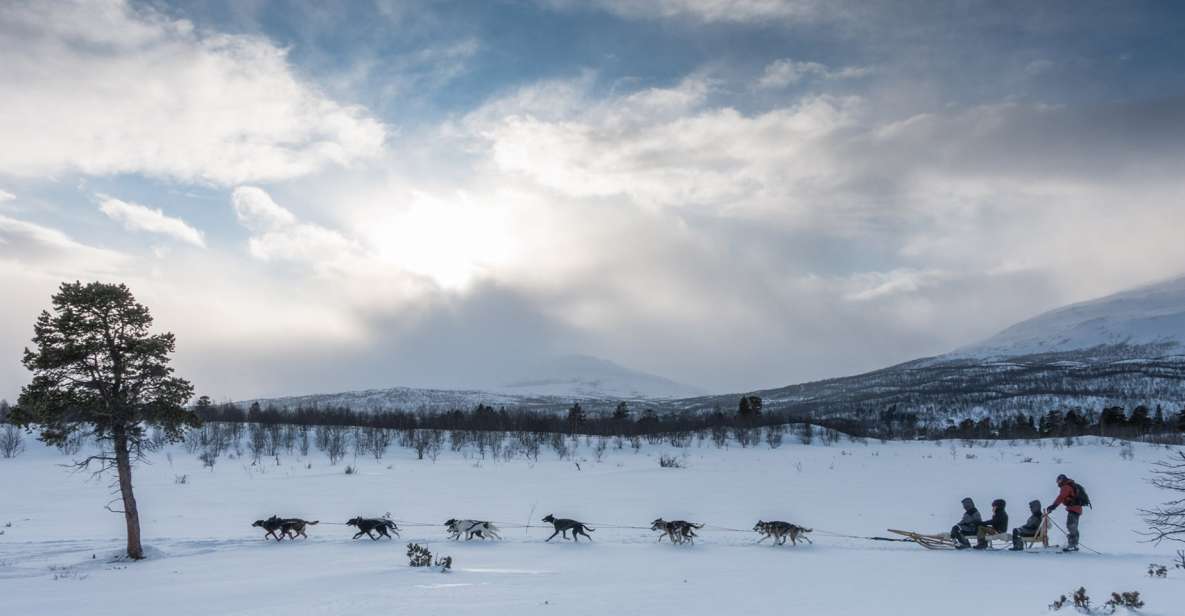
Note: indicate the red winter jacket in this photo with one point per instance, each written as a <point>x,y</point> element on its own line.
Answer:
<point>1066,494</point>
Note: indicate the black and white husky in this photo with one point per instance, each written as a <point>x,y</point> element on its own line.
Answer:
<point>780,531</point>
<point>679,531</point>
<point>471,529</point>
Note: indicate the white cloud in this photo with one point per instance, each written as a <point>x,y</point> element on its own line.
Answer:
<point>6,196</point>
<point>257,211</point>
<point>711,10</point>
<point>881,285</point>
<point>106,88</point>
<point>279,236</point>
<point>668,147</point>
<point>136,217</point>
<point>785,72</point>
<point>35,248</point>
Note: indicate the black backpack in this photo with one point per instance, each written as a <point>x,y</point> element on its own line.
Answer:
<point>1081,498</point>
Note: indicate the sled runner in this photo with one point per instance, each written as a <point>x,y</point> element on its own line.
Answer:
<point>940,541</point>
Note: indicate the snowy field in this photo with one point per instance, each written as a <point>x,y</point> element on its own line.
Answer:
<point>56,553</point>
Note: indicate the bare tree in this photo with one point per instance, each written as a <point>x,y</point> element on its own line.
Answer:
<point>1167,521</point>
<point>256,442</point>
<point>11,442</point>
<point>335,439</point>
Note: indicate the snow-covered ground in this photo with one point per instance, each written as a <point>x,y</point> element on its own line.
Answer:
<point>56,554</point>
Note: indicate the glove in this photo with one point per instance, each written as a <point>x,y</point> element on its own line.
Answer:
<point>1049,509</point>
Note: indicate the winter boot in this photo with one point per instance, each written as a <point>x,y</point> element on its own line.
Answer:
<point>1070,548</point>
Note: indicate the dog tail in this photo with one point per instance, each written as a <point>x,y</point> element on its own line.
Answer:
<point>591,530</point>
<point>314,522</point>
<point>693,524</point>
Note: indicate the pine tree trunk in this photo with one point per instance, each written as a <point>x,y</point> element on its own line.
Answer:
<point>131,515</point>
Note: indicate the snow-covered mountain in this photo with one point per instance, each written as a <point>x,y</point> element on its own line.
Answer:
<point>1126,349</point>
<point>1151,317</point>
<point>582,376</point>
<point>552,383</point>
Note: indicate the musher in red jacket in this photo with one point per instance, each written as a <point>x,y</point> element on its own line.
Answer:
<point>1068,496</point>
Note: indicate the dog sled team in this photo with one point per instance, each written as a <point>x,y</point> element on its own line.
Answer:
<point>678,531</point>
<point>1071,495</point>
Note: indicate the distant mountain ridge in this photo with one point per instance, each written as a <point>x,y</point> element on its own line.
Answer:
<point>1125,349</point>
<point>552,383</point>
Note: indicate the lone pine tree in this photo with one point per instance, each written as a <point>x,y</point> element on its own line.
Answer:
<point>97,369</point>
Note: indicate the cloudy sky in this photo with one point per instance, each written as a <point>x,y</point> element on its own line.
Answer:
<point>729,193</point>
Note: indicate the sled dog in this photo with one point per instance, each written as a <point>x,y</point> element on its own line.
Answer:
<point>471,528</point>
<point>679,531</point>
<point>371,526</point>
<point>278,528</point>
<point>780,531</point>
<point>563,525</point>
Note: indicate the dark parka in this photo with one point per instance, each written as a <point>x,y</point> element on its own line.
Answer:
<point>999,521</point>
<point>1033,524</point>
<point>971,521</point>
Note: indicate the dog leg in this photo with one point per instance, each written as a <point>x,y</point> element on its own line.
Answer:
<point>553,536</point>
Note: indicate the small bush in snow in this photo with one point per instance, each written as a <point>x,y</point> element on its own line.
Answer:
<point>666,461</point>
<point>1081,602</point>
<point>350,470</point>
<point>1130,600</point>
<point>181,479</point>
<point>1155,570</point>
<point>418,555</point>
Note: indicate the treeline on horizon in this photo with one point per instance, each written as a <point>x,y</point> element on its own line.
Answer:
<point>890,424</point>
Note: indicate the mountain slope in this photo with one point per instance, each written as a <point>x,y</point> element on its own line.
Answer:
<point>1151,316</point>
<point>1125,349</point>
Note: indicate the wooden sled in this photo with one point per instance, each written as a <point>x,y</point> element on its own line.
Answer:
<point>943,541</point>
<point>940,541</point>
<point>1041,537</point>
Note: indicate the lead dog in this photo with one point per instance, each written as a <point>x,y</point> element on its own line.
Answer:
<point>272,525</point>
<point>563,525</point>
<point>779,531</point>
<point>278,528</point>
<point>679,531</point>
<point>471,528</point>
<point>369,526</point>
